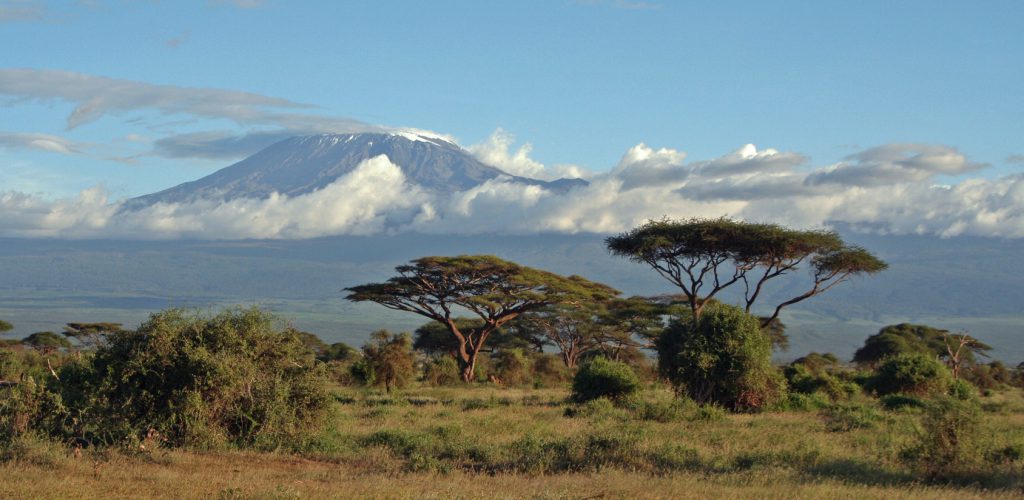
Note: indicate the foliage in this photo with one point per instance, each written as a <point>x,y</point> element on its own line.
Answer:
<point>911,373</point>
<point>204,381</point>
<point>602,377</point>
<point>990,375</point>
<point>492,289</point>
<point>948,437</point>
<point>723,358</point>
<point>46,341</point>
<point>391,358</point>
<point>362,372</point>
<point>338,351</point>
<point>816,373</point>
<point>513,367</point>
<point>433,338</point>
<point>550,371</point>
<point>5,326</point>
<point>851,416</point>
<point>91,335</point>
<point>906,338</point>
<point>30,408</point>
<point>705,256</point>
<point>442,370</point>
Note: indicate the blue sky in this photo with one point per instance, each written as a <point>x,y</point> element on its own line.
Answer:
<point>137,96</point>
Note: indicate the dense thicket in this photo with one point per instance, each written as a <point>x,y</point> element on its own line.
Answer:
<point>195,380</point>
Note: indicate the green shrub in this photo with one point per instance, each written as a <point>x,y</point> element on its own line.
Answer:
<point>660,410</point>
<point>601,377</point>
<point>917,374</point>
<point>204,381</point>
<point>847,417</point>
<point>549,371</point>
<point>513,367</point>
<point>962,390</point>
<point>442,370</point>
<point>948,438</point>
<point>708,413</point>
<point>798,401</point>
<point>30,409</point>
<point>723,359</point>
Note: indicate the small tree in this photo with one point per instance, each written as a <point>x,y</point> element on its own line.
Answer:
<point>91,335</point>
<point>705,256</point>
<point>5,326</point>
<point>391,359</point>
<point>494,290</point>
<point>906,338</point>
<point>46,341</point>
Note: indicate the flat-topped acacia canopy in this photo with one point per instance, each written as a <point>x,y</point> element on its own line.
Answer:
<point>493,289</point>
<point>705,256</point>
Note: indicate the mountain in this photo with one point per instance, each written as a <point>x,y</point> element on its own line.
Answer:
<point>300,165</point>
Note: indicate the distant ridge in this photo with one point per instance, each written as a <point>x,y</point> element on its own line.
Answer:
<point>300,165</point>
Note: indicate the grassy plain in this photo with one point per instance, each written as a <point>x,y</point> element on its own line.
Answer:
<point>486,442</point>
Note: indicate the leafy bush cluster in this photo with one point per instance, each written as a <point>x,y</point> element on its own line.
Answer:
<point>192,380</point>
<point>604,378</point>
<point>723,357</point>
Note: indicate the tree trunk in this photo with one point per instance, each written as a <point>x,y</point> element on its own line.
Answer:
<point>468,368</point>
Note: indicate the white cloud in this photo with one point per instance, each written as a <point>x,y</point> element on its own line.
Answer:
<point>97,96</point>
<point>496,151</point>
<point>891,163</point>
<point>647,184</point>
<point>41,142</point>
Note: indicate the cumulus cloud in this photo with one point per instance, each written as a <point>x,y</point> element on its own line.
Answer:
<point>497,151</point>
<point>41,142</point>
<point>643,166</point>
<point>648,183</point>
<point>891,163</point>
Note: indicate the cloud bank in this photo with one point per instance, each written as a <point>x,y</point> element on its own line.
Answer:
<point>887,189</point>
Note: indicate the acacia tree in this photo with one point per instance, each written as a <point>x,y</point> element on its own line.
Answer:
<point>494,290</point>
<point>91,335</point>
<point>705,256</point>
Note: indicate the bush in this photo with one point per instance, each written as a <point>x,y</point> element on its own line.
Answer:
<point>847,417</point>
<point>204,381</point>
<point>723,359</point>
<point>550,371</point>
<point>601,377</point>
<point>29,409</point>
<point>948,438</point>
<point>512,367</point>
<point>916,374</point>
<point>442,370</point>
<point>963,390</point>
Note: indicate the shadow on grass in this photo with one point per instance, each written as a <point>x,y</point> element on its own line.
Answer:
<point>854,471</point>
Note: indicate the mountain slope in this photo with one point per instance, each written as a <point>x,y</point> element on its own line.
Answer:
<point>300,165</point>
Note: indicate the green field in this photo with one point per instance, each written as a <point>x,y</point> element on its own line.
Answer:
<point>490,442</point>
